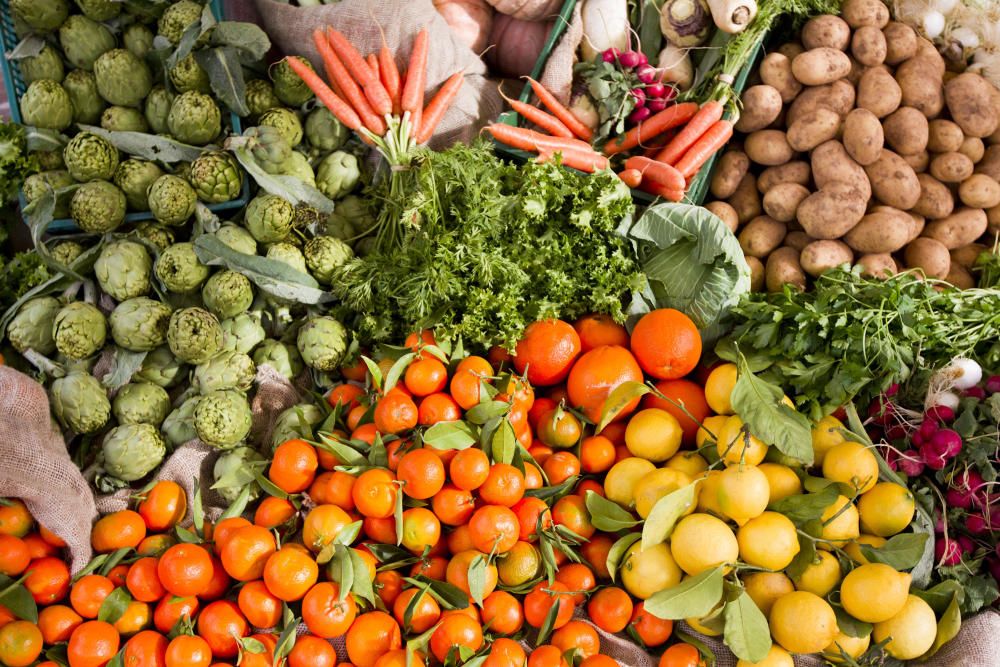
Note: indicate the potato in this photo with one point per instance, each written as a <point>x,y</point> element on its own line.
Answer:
<point>930,54</point>
<point>918,161</point>
<point>728,173</point>
<point>962,227</point>
<point>761,106</point>
<point>811,129</point>
<point>820,256</point>
<point>960,277</point>
<point>944,136</point>
<point>756,273</point>
<point>761,236</point>
<point>839,96</point>
<point>993,219</point>
<point>798,240</point>
<point>990,164</point>
<point>973,148</point>
<point>776,71</point>
<point>935,201</point>
<point>820,66</point>
<point>884,229</point>
<point>877,265</point>
<point>920,85</point>
<point>860,13</point>
<point>906,130</point>
<point>928,255</point>
<point>830,162</point>
<point>726,213</point>
<point>826,30</point>
<point>919,222</point>
<point>790,49</point>
<point>790,172</point>
<point>833,211</point>
<point>768,147</point>
<point>967,255</point>
<point>900,42</point>
<point>863,138</point>
<point>971,104</point>
<point>781,201</point>
<point>951,167</point>
<point>977,191</point>
<point>893,181</point>
<point>745,200</point>
<point>878,92</point>
<point>868,46</point>
<point>782,269</point>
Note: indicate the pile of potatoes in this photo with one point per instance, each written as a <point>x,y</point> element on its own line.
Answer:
<point>859,146</point>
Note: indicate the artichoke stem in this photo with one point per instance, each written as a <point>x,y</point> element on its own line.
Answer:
<point>43,363</point>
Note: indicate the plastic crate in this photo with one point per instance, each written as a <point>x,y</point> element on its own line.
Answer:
<point>15,87</point>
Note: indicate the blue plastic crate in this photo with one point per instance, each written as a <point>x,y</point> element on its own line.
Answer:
<point>15,88</point>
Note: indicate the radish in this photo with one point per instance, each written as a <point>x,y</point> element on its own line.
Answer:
<point>640,97</point>
<point>656,105</point>
<point>639,115</point>
<point>993,384</point>
<point>647,74</point>
<point>629,59</point>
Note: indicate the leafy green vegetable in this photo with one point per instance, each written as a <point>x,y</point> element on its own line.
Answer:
<point>15,163</point>
<point>611,86</point>
<point>18,274</point>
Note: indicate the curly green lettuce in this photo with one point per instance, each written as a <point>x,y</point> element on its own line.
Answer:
<point>15,162</point>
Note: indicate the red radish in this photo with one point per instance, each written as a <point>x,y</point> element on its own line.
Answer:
<point>656,90</point>
<point>647,74</point>
<point>656,105</point>
<point>610,55</point>
<point>639,115</point>
<point>940,413</point>
<point>640,97</point>
<point>629,59</point>
<point>993,384</point>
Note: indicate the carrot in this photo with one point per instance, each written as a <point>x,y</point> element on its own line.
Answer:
<point>653,126</point>
<point>530,140</point>
<point>660,191</point>
<point>657,144</point>
<point>412,97</point>
<point>351,93</point>
<point>390,77</point>
<point>658,172</point>
<point>338,107</point>
<point>584,161</point>
<point>435,109</point>
<point>630,177</point>
<point>576,126</point>
<point>707,115</point>
<point>363,74</point>
<point>706,146</point>
<point>372,61</point>
<point>546,121</point>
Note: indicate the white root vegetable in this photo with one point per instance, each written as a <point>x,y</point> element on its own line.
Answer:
<point>685,22</point>
<point>675,67</point>
<point>605,25</point>
<point>732,16</point>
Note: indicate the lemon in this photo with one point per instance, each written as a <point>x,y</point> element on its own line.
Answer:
<point>840,523</point>
<point>701,541</point>
<point>709,625</point>
<point>826,435</point>
<point>821,576</point>
<point>852,646</point>
<point>853,464</point>
<point>619,485</point>
<point>709,430</point>
<point>519,565</point>
<point>736,445</point>
<point>803,622</point>
<point>912,630</point>
<point>743,492</point>
<point>874,593</point>
<point>781,481</point>
<point>653,434</point>
<point>719,388</point>
<point>689,463</point>
<point>649,571</point>
<point>853,548</point>
<point>769,541</point>
<point>886,509</point>
<point>776,657</point>
<point>766,587</point>
<point>657,484</point>
<point>708,493</point>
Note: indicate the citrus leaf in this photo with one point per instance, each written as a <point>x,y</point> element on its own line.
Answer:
<point>397,370</point>
<point>348,533</point>
<point>947,628</point>
<point>115,557</point>
<point>477,579</point>
<point>347,454</point>
<point>114,605</point>
<point>197,511</point>
<point>362,584</point>
<point>665,514</point>
<point>549,623</point>
<point>618,399</point>
<point>618,550</point>
<point>448,595</point>
<point>901,552</point>
<point>239,505</point>
<point>849,625</point>
<point>694,597</point>
<point>803,559</point>
<point>806,507</point>
<point>607,515</point>
<point>17,599</point>
<point>504,443</point>
<point>450,435</point>
<point>759,404</point>
<point>746,632</point>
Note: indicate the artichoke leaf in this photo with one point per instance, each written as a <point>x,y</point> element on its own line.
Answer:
<point>191,36</point>
<point>286,187</point>
<point>250,41</point>
<point>225,74</point>
<point>124,364</point>
<point>148,146</point>
<point>30,46</point>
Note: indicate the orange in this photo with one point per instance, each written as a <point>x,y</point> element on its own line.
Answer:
<point>418,339</point>
<point>246,552</point>
<point>586,485</point>
<point>388,585</point>
<point>532,477</point>
<point>398,658</point>
<point>435,567</point>
<point>436,408</point>
<point>170,610</point>
<point>371,636</point>
<point>357,371</point>
<point>15,519</point>
<point>143,582</point>
<point>453,506</point>
<point>610,609</point>
<point>57,623</point>
<point>188,651</point>
<point>540,600</point>
<point>310,651</point>
<point>293,467</point>
<point>273,512</point>
<point>458,571</point>
<point>118,530</point>
<point>92,644</point>
<point>395,412</point>
<point>465,383</point>
<point>666,343</point>
<point>325,614</point>
<point>421,472</point>
<point>225,528</point>
<point>599,660</point>
<point>689,395</point>
<point>14,555</point>
<point>502,612</point>
<point>579,579</point>
<point>572,512</point>
<point>221,624</point>
<point>146,649</point>
<point>264,658</point>
<point>469,469</point>
<point>163,506</point>
<point>455,631</point>
<point>504,485</point>
<point>460,539</point>
<point>347,395</point>
<point>260,606</point>
<point>597,454</point>
<point>374,493</point>
<point>353,421</point>
<point>596,374</point>
<point>20,643</point>
<point>651,630</point>
<point>154,545</point>
<point>561,466</point>
<point>529,510</point>
<point>322,526</point>
<point>185,569</point>
<point>333,488</point>
<point>546,352</point>
<point>382,531</point>
<point>423,613</point>
<point>88,593</point>
<point>47,580</point>
<point>289,573</point>
<point>547,655</point>
<point>421,530</point>
<point>136,617</point>
<point>219,584</point>
<point>577,636</point>
<point>681,655</point>
<point>494,529</point>
<point>426,376</point>
<point>597,330</point>
<point>49,537</point>
<point>505,653</point>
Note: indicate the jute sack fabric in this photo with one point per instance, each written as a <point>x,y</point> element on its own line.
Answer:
<point>557,76</point>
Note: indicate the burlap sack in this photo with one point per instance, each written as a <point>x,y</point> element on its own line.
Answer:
<point>557,76</point>
<point>365,21</point>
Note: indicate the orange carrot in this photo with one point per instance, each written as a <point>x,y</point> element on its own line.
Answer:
<point>338,107</point>
<point>372,61</point>
<point>363,74</point>
<point>530,140</point>
<point>707,115</point>
<point>657,143</point>
<point>546,121</point>
<point>653,126</point>
<point>660,191</point>
<point>576,126</point>
<point>390,77</point>
<point>713,139</point>
<point>630,177</point>
<point>351,92</point>
<point>412,98</point>
<point>658,172</point>
<point>432,114</point>
<point>584,161</point>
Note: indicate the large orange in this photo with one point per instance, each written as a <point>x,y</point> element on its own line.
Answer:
<point>325,614</point>
<point>454,631</point>
<point>92,644</point>
<point>221,624</point>
<point>294,465</point>
<point>88,593</point>
<point>371,636</point>
<point>57,623</point>
<point>598,330</point>
<point>47,580</point>
<point>333,488</point>
<point>421,472</point>
<point>374,493</point>
<point>148,649</point>
<point>610,609</point>
<point>20,644</point>
<point>261,607</point>
<point>117,530</point>
<point>596,374</point>
<point>395,412</point>
<point>421,530</point>
<point>322,526</point>
<point>143,582</point>
<point>546,352</point>
<point>453,506</point>
<point>686,393</point>
<point>494,528</point>
<point>666,343</point>
<point>290,572</point>
<point>163,506</point>
<point>185,569</point>
<point>246,552</point>
<point>502,612</point>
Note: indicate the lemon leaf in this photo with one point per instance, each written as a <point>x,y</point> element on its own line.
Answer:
<point>693,597</point>
<point>618,399</point>
<point>608,516</point>
<point>759,404</point>
<point>618,550</point>
<point>747,633</point>
<point>665,513</point>
<point>901,552</point>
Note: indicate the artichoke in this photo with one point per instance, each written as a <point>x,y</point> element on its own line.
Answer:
<point>226,370</point>
<point>38,184</point>
<point>260,97</point>
<point>351,217</point>
<point>268,147</point>
<point>288,86</point>
<point>281,357</point>
<point>337,174</point>
<point>194,335</point>
<point>236,469</point>
<point>134,176</point>
<point>89,156</point>
<point>31,328</point>
<point>49,160</point>
<point>132,451</point>
<point>237,238</point>
<point>286,122</point>
<point>140,324</point>
<point>172,200</point>
<point>194,118</point>
<point>322,342</point>
<point>365,246</point>
<point>242,333</point>
<point>80,402</point>
<point>46,65</point>
<point>269,218</point>
<point>324,255</point>
<point>124,119</point>
<point>41,15</point>
<point>324,131</point>
<point>47,105</point>
<point>288,254</point>
<point>122,78</point>
<point>79,330</point>
<point>97,207</point>
<point>157,109</point>
<point>100,10</point>
<point>180,270</point>
<point>177,18</point>
<point>178,427</point>
<point>306,217</point>
<point>141,403</point>
<point>216,177</point>
<point>297,422</point>
<point>222,418</point>
<point>83,41</point>
<point>227,294</point>
<point>122,269</point>
<point>160,367</point>
<point>81,86</point>
<point>297,165</point>
<point>138,39</point>
<point>187,75</point>
<point>66,252</point>
<point>160,236</point>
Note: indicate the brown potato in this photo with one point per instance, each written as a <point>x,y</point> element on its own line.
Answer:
<point>878,265</point>
<point>863,138</point>
<point>781,201</point>
<point>761,106</point>
<point>928,255</point>
<point>868,46</point>
<point>918,161</point>
<point>839,96</point>
<point>906,130</point>
<point>826,30</point>
<point>967,255</point>
<point>962,227</point>
<point>977,191</point>
<point>782,269</point>
<point>790,49</point>
<point>893,181</point>
<point>944,136</point>
<point>776,71</point>
<point>973,148</point>
<point>935,200</point>
<point>930,54</point>
<point>790,172</point>
<point>951,167</point>
<point>768,147</point>
<point>860,13</point>
<point>756,274</point>
<point>971,104</point>
<point>960,277</point>
<point>883,230</point>
<point>878,92</point>
<point>821,256</point>
<point>993,219</point>
<point>728,173</point>
<point>811,129</point>
<point>921,86</point>
<point>820,66</point>
<point>726,213</point>
<point>761,236</point>
<point>745,200</point>
<point>798,240</point>
<point>900,42</point>
<point>919,222</point>
<point>833,211</point>
<point>831,162</point>
<point>990,164</point>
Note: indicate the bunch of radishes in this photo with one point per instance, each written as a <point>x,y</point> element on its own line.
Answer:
<point>650,93</point>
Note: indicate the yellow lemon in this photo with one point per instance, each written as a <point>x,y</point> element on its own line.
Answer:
<point>645,572</point>
<point>886,509</point>
<point>874,593</point>
<point>701,541</point>
<point>840,523</point>
<point>768,541</point>
<point>719,388</point>
<point>710,625</point>
<point>709,430</point>
<point>781,481</point>
<point>910,632</point>
<point>689,463</point>
<point>766,587</point>
<point>708,493</point>
<point>853,548</point>
<point>803,622</point>
<point>852,646</point>
<point>853,464</point>
<point>825,435</point>
<point>653,434</point>
<point>821,576</point>
<point>519,565</point>
<point>736,445</point>
<point>776,657</point>
<point>656,485</point>
<point>619,485</point>
<point>742,492</point>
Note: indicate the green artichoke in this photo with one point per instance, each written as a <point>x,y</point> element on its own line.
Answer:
<point>83,41</point>
<point>242,333</point>
<point>41,15</point>
<point>157,109</point>
<point>235,470</point>
<point>365,246</point>
<point>324,255</point>
<point>297,422</point>
<point>138,39</point>
<point>269,218</point>
<point>46,65</point>
<point>122,78</point>
<point>237,238</point>
<point>122,269</point>
<point>31,328</point>
<point>216,177</point>
<point>288,254</point>
<point>47,105</point>
<point>49,160</point>
<point>226,370</point>
<point>260,97</point>
<point>297,165</point>
<point>306,217</point>
<point>288,86</point>
<point>337,174</point>
<point>286,122</point>
<point>222,418</point>
<point>124,119</point>
<point>99,10</point>
<point>160,367</point>
<point>194,119</point>
<point>141,403</point>
<point>132,451</point>
<point>281,357</point>
<point>322,342</point>
<point>134,177</point>
<point>178,427</point>
<point>172,200</point>
<point>161,236</point>
<point>177,18</point>
<point>180,270</point>
<point>187,75</point>
<point>194,335</point>
<point>38,184</point>
<point>97,207</point>
<point>80,402</point>
<point>81,86</point>
<point>351,217</point>
<point>140,324</point>
<point>227,294</point>
<point>66,252</point>
<point>268,147</point>
<point>89,156</point>
<point>79,330</point>
<point>324,131</point>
